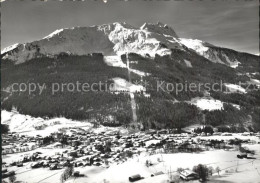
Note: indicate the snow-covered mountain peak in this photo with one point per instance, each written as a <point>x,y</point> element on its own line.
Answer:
<point>9,48</point>
<point>159,28</point>
<point>195,44</point>
<point>109,39</point>
<point>115,39</point>
<point>211,52</point>
<point>53,33</point>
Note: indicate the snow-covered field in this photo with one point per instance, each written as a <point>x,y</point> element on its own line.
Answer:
<point>188,63</point>
<point>225,160</point>
<point>233,170</point>
<point>28,125</point>
<point>235,88</point>
<point>195,44</point>
<point>116,38</point>
<point>115,61</point>
<point>123,85</point>
<point>255,82</point>
<point>207,103</point>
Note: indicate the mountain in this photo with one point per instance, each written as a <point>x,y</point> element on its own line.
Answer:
<point>117,38</point>
<point>211,52</point>
<point>126,56</point>
<point>109,39</point>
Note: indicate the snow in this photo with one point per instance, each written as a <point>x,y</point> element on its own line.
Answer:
<point>236,106</point>
<point>233,88</point>
<point>216,58</point>
<point>53,34</point>
<point>142,41</point>
<point>123,85</point>
<point>195,44</point>
<point>114,39</point>
<point>205,49</point>
<point>234,136</point>
<point>117,173</point>
<point>255,73</point>
<point>255,82</point>
<point>170,162</point>
<point>191,127</point>
<point>77,40</point>
<point>109,39</point>
<point>225,160</point>
<point>140,73</point>
<point>159,28</point>
<point>233,64</point>
<point>9,48</point>
<point>27,124</point>
<point>115,61</point>
<point>207,103</point>
<point>188,63</point>
<point>150,142</point>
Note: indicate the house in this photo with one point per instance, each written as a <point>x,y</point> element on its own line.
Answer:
<point>57,145</point>
<point>226,134</point>
<point>134,178</point>
<point>188,175</point>
<point>8,149</point>
<point>157,173</point>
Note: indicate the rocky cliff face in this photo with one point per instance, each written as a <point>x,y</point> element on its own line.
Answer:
<point>117,39</point>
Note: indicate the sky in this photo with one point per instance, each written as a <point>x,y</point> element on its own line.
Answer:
<point>227,23</point>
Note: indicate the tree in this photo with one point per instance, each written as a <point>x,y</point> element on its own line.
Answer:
<point>62,178</point>
<point>218,170</point>
<point>64,141</point>
<point>4,128</point>
<point>179,170</point>
<point>129,154</point>
<point>202,171</point>
<point>12,178</point>
<point>210,170</point>
<point>67,173</point>
<point>147,163</point>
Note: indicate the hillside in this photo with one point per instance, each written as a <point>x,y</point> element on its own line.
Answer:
<point>127,56</point>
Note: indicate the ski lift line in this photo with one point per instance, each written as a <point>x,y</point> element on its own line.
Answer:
<point>236,165</point>
<point>74,179</point>
<point>257,171</point>
<point>19,169</point>
<point>224,162</point>
<point>221,162</point>
<point>24,172</point>
<point>50,176</point>
<point>133,103</point>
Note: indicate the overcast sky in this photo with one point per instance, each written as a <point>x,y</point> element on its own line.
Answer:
<point>227,23</point>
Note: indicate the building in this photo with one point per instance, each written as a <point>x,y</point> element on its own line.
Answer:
<point>188,175</point>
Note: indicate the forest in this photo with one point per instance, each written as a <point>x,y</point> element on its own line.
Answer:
<point>158,111</point>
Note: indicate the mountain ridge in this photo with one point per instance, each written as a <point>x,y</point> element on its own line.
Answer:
<point>116,39</point>
<point>152,53</point>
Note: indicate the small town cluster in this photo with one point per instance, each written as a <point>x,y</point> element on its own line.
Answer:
<point>80,148</point>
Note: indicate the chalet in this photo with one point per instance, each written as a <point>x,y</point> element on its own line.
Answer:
<point>188,175</point>
<point>157,173</point>
<point>226,134</point>
<point>57,145</point>
<point>246,134</point>
<point>134,178</point>
<point>8,149</point>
